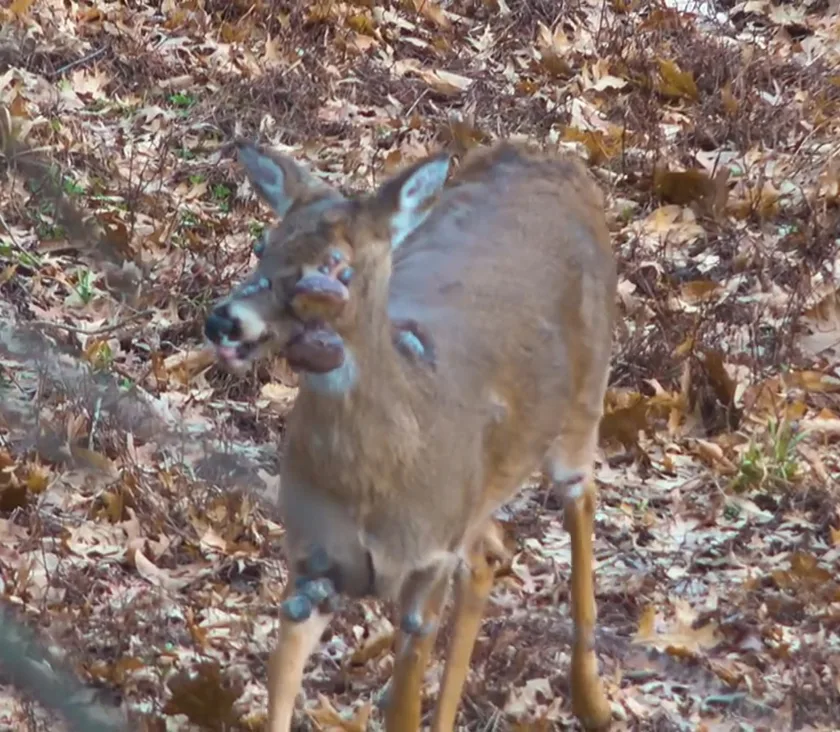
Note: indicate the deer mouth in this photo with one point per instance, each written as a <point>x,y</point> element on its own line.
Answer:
<point>239,356</point>
<point>312,347</point>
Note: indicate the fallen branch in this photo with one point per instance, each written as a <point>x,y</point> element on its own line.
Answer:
<point>30,668</point>
<point>96,331</point>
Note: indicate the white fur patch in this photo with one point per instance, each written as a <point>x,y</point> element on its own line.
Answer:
<point>336,382</point>
<point>570,484</point>
<point>404,223</point>
<point>251,325</point>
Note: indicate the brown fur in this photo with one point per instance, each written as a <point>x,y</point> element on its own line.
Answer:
<point>512,279</point>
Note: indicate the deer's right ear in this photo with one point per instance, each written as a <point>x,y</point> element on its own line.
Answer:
<point>278,179</point>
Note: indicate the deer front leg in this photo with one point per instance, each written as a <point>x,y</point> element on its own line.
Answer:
<point>309,602</point>
<point>474,583</point>
<point>297,641</point>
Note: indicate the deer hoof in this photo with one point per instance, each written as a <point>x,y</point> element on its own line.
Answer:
<point>589,702</point>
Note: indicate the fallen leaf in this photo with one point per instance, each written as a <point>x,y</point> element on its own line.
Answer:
<point>444,82</point>
<point>676,83</point>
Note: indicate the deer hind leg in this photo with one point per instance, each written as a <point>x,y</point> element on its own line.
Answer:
<point>569,467</point>
<point>421,603</point>
<point>474,583</point>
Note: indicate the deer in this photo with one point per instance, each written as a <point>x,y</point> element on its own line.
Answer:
<point>452,331</point>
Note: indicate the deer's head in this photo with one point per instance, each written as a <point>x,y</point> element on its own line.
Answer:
<point>327,253</point>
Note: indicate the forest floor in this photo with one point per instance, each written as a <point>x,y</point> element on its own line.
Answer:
<point>137,535</point>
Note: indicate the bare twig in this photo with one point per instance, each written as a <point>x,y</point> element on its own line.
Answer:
<point>96,331</point>
<point>80,61</point>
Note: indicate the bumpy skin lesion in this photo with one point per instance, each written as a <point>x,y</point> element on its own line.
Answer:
<point>414,342</point>
<point>318,298</point>
<point>317,586</point>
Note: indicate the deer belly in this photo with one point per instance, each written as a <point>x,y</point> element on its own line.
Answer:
<point>324,539</point>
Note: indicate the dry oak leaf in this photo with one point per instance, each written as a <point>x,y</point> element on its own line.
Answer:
<point>328,719</point>
<point>444,82</point>
<point>432,12</point>
<point>681,639</point>
<point>676,83</point>
<point>205,696</point>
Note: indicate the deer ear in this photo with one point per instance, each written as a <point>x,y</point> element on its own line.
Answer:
<point>278,179</point>
<point>411,194</point>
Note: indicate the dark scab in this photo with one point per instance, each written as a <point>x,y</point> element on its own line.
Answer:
<point>450,287</point>
<point>297,608</point>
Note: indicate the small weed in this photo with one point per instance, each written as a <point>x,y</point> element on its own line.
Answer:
<point>99,105</point>
<point>189,220</point>
<point>771,461</point>
<point>72,188</point>
<point>84,286</point>
<point>731,512</point>
<point>196,178</point>
<point>256,229</point>
<point>49,231</point>
<point>182,102</point>
<point>185,154</point>
<point>19,256</point>
<point>222,195</point>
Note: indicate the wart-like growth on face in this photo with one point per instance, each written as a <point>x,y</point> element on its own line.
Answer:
<point>339,381</point>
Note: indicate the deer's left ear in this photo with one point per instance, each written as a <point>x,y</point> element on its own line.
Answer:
<point>409,196</point>
<point>278,179</point>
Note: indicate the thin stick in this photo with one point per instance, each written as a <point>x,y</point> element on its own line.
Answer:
<point>79,61</point>
<point>14,241</point>
<point>96,331</point>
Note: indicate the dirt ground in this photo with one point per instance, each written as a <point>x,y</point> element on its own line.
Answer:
<point>137,532</point>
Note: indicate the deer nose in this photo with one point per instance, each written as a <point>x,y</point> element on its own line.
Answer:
<point>220,325</point>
